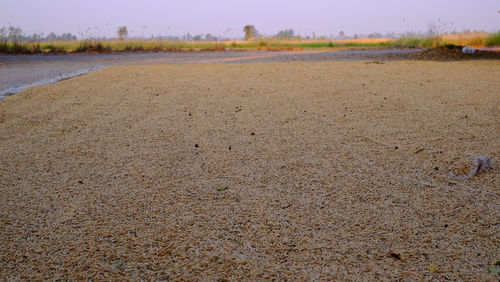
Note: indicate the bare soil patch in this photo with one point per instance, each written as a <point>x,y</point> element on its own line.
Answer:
<point>299,171</point>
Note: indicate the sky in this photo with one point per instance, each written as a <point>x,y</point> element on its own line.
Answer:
<point>227,17</point>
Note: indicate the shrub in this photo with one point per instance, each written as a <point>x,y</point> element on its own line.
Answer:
<point>35,48</point>
<point>89,46</point>
<point>431,42</point>
<point>452,46</point>
<point>493,39</point>
<point>4,47</point>
<point>407,42</point>
<point>19,48</point>
<point>219,47</point>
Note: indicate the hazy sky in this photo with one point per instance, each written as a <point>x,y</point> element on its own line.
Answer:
<point>227,17</point>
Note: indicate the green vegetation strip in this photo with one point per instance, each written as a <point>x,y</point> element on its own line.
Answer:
<point>88,46</point>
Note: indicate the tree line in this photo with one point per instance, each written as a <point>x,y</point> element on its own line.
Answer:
<point>15,34</point>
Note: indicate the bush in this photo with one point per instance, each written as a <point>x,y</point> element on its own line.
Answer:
<point>493,39</point>
<point>219,47</point>
<point>407,42</point>
<point>138,48</point>
<point>19,48</point>
<point>35,49</point>
<point>452,46</point>
<point>84,46</point>
<point>431,42</point>
<point>89,46</point>
<point>4,47</point>
<point>50,48</point>
<point>15,48</point>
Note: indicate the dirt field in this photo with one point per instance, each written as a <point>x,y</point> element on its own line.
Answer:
<point>298,171</point>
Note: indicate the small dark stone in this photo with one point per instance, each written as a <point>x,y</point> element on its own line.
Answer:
<point>394,255</point>
<point>196,145</point>
<point>396,147</point>
<point>79,181</point>
<point>229,148</point>
<point>189,114</point>
<point>252,133</point>
<point>436,168</point>
<point>446,225</point>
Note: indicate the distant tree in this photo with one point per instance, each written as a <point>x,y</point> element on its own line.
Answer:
<point>15,33</point>
<point>285,34</point>
<point>375,35</point>
<point>67,36</point>
<point>122,32</point>
<point>432,29</point>
<point>210,37</point>
<point>51,37</point>
<point>250,32</point>
<point>341,34</point>
<point>3,33</point>
<point>197,37</point>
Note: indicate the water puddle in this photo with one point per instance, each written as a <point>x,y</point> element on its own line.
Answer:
<point>16,89</point>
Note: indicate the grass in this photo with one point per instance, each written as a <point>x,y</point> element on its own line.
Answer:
<point>17,48</point>
<point>475,39</point>
<point>493,39</point>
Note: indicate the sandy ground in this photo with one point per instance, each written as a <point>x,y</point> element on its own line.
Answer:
<point>19,72</point>
<point>298,171</point>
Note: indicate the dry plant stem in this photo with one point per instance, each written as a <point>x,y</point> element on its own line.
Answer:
<point>475,189</point>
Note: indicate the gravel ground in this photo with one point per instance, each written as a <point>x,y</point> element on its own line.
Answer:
<point>289,171</point>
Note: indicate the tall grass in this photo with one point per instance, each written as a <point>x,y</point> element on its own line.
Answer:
<point>474,39</point>
<point>92,46</point>
<point>493,39</point>
<point>86,46</point>
<point>19,48</point>
<point>431,42</point>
